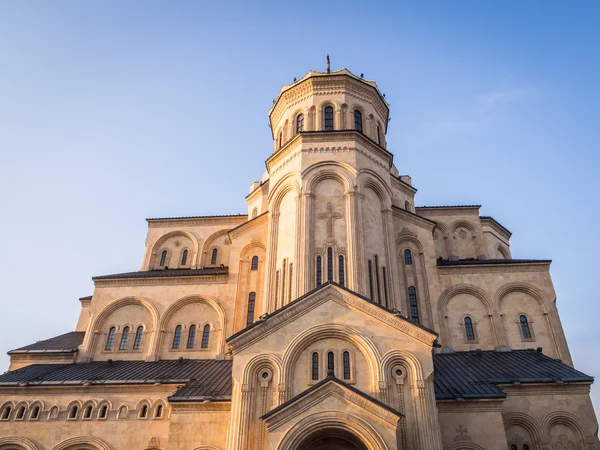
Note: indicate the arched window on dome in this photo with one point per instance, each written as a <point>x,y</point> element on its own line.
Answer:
<point>6,412</point>
<point>358,122</point>
<point>513,447</point>
<point>414,304</point>
<point>73,412</point>
<point>407,257</point>
<point>176,338</point>
<point>139,334</point>
<point>205,336</point>
<point>328,119</point>
<point>330,362</point>
<point>20,413</point>
<point>191,337</point>
<point>184,257</point>
<point>87,412</point>
<point>469,329</point>
<point>525,330</point>
<point>214,257</point>
<point>300,123</point>
<point>143,412</point>
<point>315,366</point>
<point>103,412</point>
<point>163,258</point>
<point>124,339</point>
<point>280,139</point>
<point>254,212</point>
<point>159,412</point>
<point>407,206</point>
<point>35,414</point>
<point>251,305</point>
<point>378,134</point>
<point>346,365</point>
<point>254,265</point>
<point>110,338</point>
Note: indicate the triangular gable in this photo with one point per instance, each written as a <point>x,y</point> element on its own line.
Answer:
<point>330,387</point>
<point>329,291</point>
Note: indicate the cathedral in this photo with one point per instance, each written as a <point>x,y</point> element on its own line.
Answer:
<point>334,314</point>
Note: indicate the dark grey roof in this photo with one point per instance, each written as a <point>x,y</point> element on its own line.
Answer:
<point>88,297</point>
<point>477,374</point>
<point>447,206</point>
<point>209,377</point>
<point>497,223</point>
<point>476,262</point>
<point>331,379</point>
<point>207,271</point>
<point>218,216</point>
<point>65,343</point>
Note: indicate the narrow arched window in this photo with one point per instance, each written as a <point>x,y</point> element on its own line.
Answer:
<point>144,412</point>
<point>319,272</point>
<point>315,366</point>
<point>377,279</point>
<point>110,339</point>
<point>283,280</point>
<point>525,327</point>
<point>87,412</point>
<point>277,289</point>
<point>513,447</point>
<point>385,289</point>
<point>254,265</point>
<point>525,447</point>
<point>469,330</point>
<point>159,411</point>
<point>6,413</point>
<point>300,123</point>
<point>358,124</point>
<point>329,264</point>
<point>328,125</point>
<point>184,258</point>
<point>205,336</point>
<point>73,412</point>
<point>291,275</point>
<point>280,139</point>
<point>214,256</point>
<point>103,412</point>
<point>370,274</point>
<point>254,213</point>
<point>139,334</point>
<point>191,337</point>
<point>378,134</point>
<point>407,206</point>
<point>124,339</point>
<point>177,337</point>
<point>414,306</point>
<point>346,365</point>
<point>163,258</point>
<point>35,414</point>
<point>330,362</point>
<point>20,413</point>
<point>341,274</point>
<point>407,257</point>
<point>251,304</point>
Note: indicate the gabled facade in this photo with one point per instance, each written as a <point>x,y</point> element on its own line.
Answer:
<point>334,314</point>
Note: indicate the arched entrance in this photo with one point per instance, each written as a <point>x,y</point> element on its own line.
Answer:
<point>331,439</point>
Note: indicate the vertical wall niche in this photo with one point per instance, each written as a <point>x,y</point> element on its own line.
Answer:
<point>330,229</point>
<point>286,244</point>
<point>262,398</point>
<point>373,233</point>
<point>251,279</point>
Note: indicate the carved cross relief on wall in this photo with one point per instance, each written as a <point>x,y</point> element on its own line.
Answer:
<point>329,217</point>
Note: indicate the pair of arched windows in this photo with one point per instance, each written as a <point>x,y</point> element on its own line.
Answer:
<point>330,365</point>
<point>165,254</point>
<point>137,342</point>
<point>20,415</point>
<point>191,337</point>
<point>341,268</point>
<point>158,412</point>
<point>515,447</point>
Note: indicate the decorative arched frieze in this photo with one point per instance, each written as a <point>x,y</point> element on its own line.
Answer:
<point>289,182</point>
<point>161,240</point>
<point>525,288</point>
<point>336,170</point>
<point>464,445</point>
<point>570,420</point>
<point>528,423</point>
<point>17,441</point>
<point>83,443</point>
<point>369,179</point>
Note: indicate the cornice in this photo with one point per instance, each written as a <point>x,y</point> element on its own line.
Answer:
<point>250,225</point>
<point>191,221</point>
<point>546,389</point>
<point>413,218</point>
<point>404,187</point>
<point>200,407</point>
<point>469,406</point>
<point>88,390</point>
<point>170,281</point>
<point>448,210</point>
<point>543,266</point>
<point>496,226</point>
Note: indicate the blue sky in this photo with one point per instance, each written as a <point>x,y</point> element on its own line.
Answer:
<point>111,112</point>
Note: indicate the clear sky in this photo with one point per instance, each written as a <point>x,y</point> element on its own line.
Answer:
<point>111,112</point>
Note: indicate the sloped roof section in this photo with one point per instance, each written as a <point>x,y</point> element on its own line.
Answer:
<point>477,374</point>
<point>207,271</point>
<point>65,343</point>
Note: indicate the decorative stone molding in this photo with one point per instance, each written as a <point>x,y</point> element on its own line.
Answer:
<point>471,406</point>
<point>201,280</point>
<point>547,389</point>
<point>89,441</point>
<point>17,441</point>
<point>177,407</point>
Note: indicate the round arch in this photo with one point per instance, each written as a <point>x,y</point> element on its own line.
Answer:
<point>462,223</point>
<point>161,240</point>
<point>567,419</point>
<point>394,356</point>
<point>209,243</point>
<point>83,442</point>
<point>255,363</point>
<point>332,420</point>
<point>178,304</point>
<point>520,287</point>
<point>464,445</point>
<point>318,332</point>
<point>368,179</point>
<point>339,171</point>
<point>526,422</point>
<point>10,442</point>
<point>288,183</point>
<point>410,239</point>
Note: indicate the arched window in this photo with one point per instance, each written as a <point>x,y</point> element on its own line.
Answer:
<point>139,334</point>
<point>319,270</point>
<point>103,412</point>
<point>329,264</point>
<point>377,279</point>
<point>513,447</point>
<point>176,337</point>
<point>370,269</point>
<point>277,289</point>
<point>123,412</point>
<point>124,339</point>
<point>73,412</point>
<point>205,336</point>
<point>346,365</point>
<point>191,337</point>
<point>144,412</point>
<point>407,206</point>
<point>341,274</point>
<point>6,412</point>
<point>184,258</point>
<point>328,123</point>
<point>291,275</point>
<point>163,258</point>
<point>254,265</point>
<point>315,366</point>
<point>300,123</point>
<point>330,362</point>
<point>385,289</point>
<point>159,411</point>
<point>378,134</point>
<point>407,257</point>
<point>35,414</point>
<point>525,447</point>
<point>414,306</point>
<point>469,330</point>
<point>110,339</point>
<point>525,327</point>
<point>214,256</point>
<point>87,412</point>
<point>358,124</point>
<point>20,413</point>
<point>283,280</point>
<point>280,139</point>
<point>251,304</point>
<point>254,212</point>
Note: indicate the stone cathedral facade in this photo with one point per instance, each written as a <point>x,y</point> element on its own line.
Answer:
<point>335,314</point>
